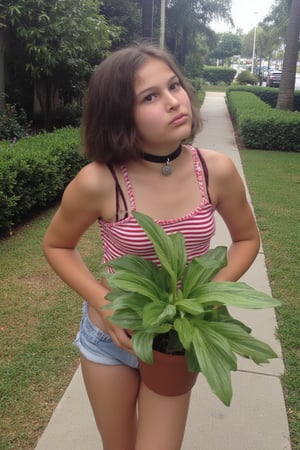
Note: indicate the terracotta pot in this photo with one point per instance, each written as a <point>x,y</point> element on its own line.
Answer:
<point>168,375</point>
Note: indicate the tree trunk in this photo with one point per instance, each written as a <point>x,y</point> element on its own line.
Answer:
<point>2,77</point>
<point>147,19</point>
<point>285,99</point>
<point>45,94</point>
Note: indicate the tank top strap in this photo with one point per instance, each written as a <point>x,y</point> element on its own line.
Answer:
<point>118,192</point>
<point>201,172</point>
<point>129,186</point>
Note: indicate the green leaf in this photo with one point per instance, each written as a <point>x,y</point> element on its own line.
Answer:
<point>126,319</point>
<point>162,243</point>
<point>135,283</point>
<point>158,313</point>
<point>203,269</point>
<point>160,329</point>
<point>224,316</point>
<point>236,294</point>
<point>191,306</point>
<point>164,283</point>
<point>192,361</point>
<point>185,331</point>
<point>142,342</point>
<point>43,17</point>
<point>179,245</point>
<point>243,343</point>
<point>127,300</point>
<point>134,264</point>
<point>115,294</point>
<point>215,359</point>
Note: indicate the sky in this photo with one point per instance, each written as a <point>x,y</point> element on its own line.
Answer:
<point>246,14</point>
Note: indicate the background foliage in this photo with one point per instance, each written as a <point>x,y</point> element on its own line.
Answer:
<point>261,126</point>
<point>34,173</point>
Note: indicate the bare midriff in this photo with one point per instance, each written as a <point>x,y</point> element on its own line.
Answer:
<point>93,314</point>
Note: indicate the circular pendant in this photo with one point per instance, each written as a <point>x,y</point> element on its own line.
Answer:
<point>166,170</point>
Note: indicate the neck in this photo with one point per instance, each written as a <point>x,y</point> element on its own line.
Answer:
<point>165,160</point>
<point>162,158</point>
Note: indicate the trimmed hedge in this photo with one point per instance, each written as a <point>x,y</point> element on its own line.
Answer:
<point>266,94</point>
<point>216,75</point>
<point>34,173</point>
<point>261,126</point>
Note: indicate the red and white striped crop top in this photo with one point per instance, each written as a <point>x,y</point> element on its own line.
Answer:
<point>127,237</point>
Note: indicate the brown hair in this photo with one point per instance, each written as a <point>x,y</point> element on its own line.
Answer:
<point>109,131</point>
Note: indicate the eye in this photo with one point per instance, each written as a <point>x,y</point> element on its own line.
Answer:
<point>149,98</point>
<point>175,86</point>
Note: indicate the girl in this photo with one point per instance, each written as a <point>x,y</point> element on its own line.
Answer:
<point>139,111</point>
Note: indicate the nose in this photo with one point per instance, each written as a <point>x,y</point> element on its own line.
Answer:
<point>172,101</point>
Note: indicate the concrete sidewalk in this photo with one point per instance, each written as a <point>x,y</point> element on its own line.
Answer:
<point>256,419</point>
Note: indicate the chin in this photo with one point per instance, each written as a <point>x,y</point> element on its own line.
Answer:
<point>185,135</point>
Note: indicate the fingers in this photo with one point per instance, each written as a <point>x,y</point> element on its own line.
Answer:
<point>121,338</point>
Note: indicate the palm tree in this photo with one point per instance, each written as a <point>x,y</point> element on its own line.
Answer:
<point>188,18</point>
<point>287,85</point>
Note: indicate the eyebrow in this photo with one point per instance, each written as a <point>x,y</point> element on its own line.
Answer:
<point>151,88</point>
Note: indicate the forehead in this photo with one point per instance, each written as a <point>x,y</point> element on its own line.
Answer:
<point>152,72</point>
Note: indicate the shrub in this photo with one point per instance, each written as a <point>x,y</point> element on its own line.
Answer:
<point>34,173</point>
<point>261,126</point>
<point>266,94</point>
<point>217,75</point>
<point>13,123</point>
<point>196,83</point>
<point>246,77</point>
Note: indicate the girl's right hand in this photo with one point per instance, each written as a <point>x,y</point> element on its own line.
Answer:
<point>119,335</point>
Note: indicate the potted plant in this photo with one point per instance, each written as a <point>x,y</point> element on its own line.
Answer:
<point>177,309</point>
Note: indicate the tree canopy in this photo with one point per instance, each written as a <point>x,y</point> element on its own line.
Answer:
<point>56,31</point>
<point>52,35</point>
<point>54,44</point>
<point>127,16</point>
<point>228,45</point>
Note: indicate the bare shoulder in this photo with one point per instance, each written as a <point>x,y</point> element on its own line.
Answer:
<point>219,165</point>
<point>225,181</point>
<point>93,179</point>
<point>89,189</point>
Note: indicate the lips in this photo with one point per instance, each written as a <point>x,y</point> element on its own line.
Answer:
<point>179,119</point>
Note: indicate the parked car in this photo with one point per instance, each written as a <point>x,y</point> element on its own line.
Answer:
<point>274,78</point>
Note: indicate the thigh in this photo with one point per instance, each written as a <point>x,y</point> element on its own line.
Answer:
<point>161,421</point>
<point>112,391</point>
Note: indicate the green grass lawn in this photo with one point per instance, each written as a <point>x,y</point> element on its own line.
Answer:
<point>273,179</point>
<point>39,320</point>
<point>212,88</point>
<point>40,315</point>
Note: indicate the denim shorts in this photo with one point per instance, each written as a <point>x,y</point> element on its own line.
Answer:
<point>98,347</point>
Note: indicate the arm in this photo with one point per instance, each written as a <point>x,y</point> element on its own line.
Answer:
<point>81,205</point>
<point>228,194</point>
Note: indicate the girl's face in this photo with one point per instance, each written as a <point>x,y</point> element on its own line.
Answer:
<point>162,111</point>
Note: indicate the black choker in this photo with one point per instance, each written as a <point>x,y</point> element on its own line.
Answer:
<point>165,160</point>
